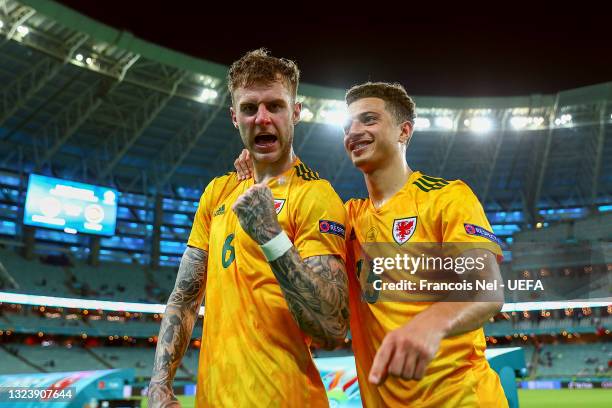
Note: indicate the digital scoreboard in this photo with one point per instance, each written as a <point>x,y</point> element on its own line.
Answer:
<point>70,206</point>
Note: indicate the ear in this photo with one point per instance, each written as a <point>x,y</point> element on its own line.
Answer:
<point>407,129</point>
<point>233,115</point>
<point>297,111</point>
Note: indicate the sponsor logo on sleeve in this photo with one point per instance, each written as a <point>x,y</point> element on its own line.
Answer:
<point>475,230</point>
<point>330,227</point>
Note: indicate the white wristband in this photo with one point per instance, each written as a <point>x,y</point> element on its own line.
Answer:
<point>276,247</point>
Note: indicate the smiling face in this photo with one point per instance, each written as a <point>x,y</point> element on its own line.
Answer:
<point>372,136</point>
<point>265,115</point>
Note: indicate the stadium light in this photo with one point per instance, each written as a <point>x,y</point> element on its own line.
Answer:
<point>306,115</point>
<point>422,123</point>
<point>88,61</point>
<point>208,95</point>
<point>479,124</point>
<point>23,30</point>
<point>522,122</point>
<point>519,122</point>
<point>79,57</point>
<point>1,23</point>
<point>444,122</point>
<point>335,116</point>
<point>564,120</point>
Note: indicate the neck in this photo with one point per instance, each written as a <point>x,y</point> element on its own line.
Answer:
<point>384,182</point>
<point>264,171</point>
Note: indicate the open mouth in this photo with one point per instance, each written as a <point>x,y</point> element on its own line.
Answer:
<point>265,140</point>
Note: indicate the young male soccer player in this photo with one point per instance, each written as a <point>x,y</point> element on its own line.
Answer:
<point>268,257</point>
<point>425,354</point>
<point>430,354</point>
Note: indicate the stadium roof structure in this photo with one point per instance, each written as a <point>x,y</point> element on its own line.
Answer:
<point>84,101</point>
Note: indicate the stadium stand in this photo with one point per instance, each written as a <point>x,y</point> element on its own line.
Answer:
<point>53,358</point>
<point>34,277</point>
<point>12,363</point>
<point>573,360</point>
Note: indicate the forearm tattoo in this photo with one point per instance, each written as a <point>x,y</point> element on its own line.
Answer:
<point>177,324</point>
<point>315,289</point>
<point>317,295</point>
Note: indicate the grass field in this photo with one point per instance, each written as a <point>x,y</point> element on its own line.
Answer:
<point>596,398</point>
<point>565,398</point>
<point>186,402</point>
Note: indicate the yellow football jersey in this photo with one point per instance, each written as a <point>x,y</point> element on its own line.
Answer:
<point>253,352</point>
<point>431,210</point>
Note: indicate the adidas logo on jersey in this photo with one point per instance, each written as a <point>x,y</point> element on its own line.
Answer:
<point>219,211</point>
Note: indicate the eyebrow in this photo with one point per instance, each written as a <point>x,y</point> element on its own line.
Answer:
<point>279,101</point>
<point>363,114</point>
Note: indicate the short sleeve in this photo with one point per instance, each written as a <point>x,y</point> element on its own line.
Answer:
<point>200,229</point>
<point>320,221</point>
<point>464,220</point>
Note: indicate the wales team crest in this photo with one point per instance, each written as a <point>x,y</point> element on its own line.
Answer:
<point>403,229</point>
<point>278,205</point>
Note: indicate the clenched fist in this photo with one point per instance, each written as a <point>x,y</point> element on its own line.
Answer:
<point>255,211</point>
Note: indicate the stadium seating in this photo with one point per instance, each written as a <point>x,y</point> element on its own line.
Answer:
<point>548,326</point>
<point>33,276</point>
<point>573,360</point>
<point>31,359</point>
<point>109,281</point>
<point>55,358</point>
<point>12,364</point>
<point>141,359</point>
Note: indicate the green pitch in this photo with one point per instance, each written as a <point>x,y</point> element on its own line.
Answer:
<point>565,398</point>
<point>186,402</point>
<point>597,398</point>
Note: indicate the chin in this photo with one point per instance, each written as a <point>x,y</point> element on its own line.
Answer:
<point>268,157</point>
<point>364,163</point>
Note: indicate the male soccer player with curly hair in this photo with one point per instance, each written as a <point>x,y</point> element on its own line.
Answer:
<point>269,257</point>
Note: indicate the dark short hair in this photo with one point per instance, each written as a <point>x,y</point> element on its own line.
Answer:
<point>397,102</point>
<point>258,66</point>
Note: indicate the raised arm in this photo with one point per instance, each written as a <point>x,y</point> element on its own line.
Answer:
<point>316,289</point>
<point>177,325</point>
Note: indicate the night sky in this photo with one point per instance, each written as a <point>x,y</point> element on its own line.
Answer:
<point>473,56</point>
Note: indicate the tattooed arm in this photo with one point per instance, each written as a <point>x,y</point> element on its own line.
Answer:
<point>316,292</point>
<point>316,289</point>
<point>177,325</point>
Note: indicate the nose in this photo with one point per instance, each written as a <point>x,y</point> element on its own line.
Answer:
<point>353,128</point>
<point>263,115</point>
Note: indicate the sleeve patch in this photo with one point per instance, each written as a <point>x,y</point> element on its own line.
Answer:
<point>475,230</point>
<point>330,227</point>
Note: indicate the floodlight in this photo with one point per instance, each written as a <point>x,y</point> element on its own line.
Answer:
<point>422,123</point>
<point>23,30</point>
